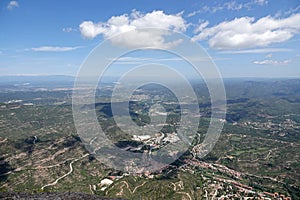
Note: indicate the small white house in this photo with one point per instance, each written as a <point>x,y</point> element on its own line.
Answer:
<point>106,181</point>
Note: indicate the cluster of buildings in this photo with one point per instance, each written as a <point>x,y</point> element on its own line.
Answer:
<point>157,140</point>
<point>276,128</point>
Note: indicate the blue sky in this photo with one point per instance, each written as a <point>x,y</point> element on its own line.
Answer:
<point>256,38</point>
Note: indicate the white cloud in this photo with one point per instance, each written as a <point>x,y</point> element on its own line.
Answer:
<point>53,49</point>
<point>142,60</point>
<point>12,4</point>
<point>269,55</point>
<point>282,13</point>
<point>272,62</point>
<point>293,10</point>
<point>245,32</point>
<point>134,23</point>
<point>260,2</point>
<point>201,26</point>
<point>68,29</point>
<point>90,30</point>
<point>229,5</point>
<point>191,14</point>
<point>232,5</point>
<point>262,50</point>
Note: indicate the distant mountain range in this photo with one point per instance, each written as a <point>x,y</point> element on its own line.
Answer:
<point>35,79</point>
<point>46,79</point>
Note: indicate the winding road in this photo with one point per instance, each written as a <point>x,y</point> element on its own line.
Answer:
<point>63,176</point>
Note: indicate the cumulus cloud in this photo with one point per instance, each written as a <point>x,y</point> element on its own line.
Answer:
<point>272,62</point>
<point>133,23</point>
<point>245,32</point>
<point>12,4</point>
<point>53,49</point>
